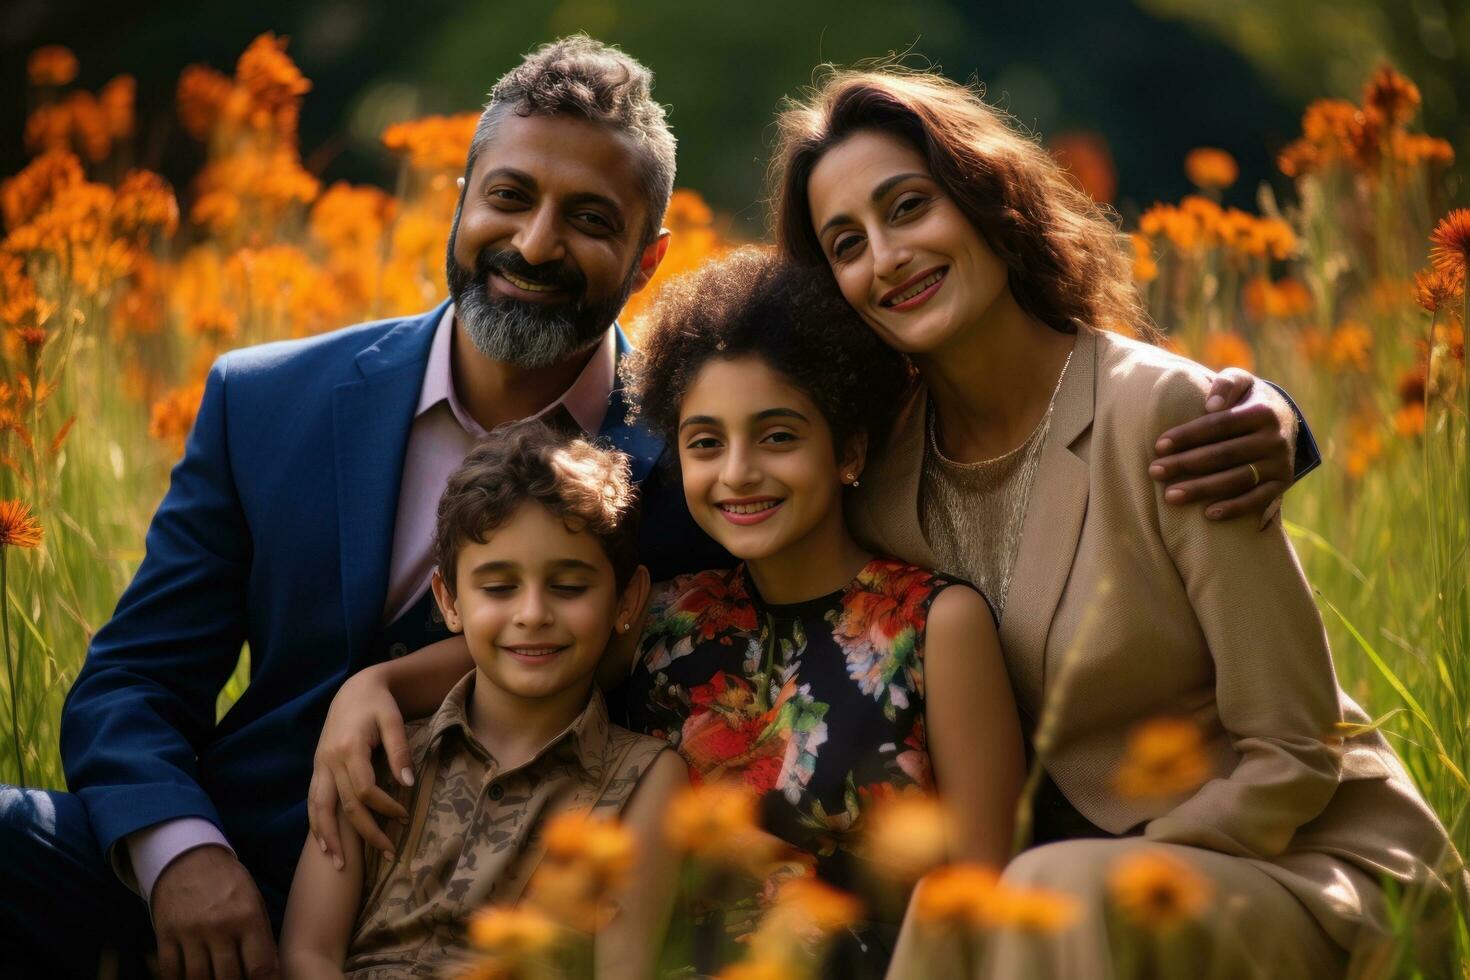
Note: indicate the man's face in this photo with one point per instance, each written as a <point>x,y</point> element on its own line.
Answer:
<point>547,241</point>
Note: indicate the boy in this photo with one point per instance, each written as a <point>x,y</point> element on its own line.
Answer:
<point>536,550</point>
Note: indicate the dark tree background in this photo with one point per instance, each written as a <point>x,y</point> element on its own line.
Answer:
<point>1153,78</point>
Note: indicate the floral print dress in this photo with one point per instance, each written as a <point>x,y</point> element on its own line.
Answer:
<point>818,706</point>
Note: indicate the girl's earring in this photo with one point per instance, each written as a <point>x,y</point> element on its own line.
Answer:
<point>624,627</point>
<point>852,479</point>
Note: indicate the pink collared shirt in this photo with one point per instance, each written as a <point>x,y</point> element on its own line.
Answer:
<point>442,433</point>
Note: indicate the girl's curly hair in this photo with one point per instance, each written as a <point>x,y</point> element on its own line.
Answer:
<point>752,303</point>
<point>1070,265</point>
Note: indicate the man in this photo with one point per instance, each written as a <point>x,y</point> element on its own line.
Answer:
<point>299,522</point>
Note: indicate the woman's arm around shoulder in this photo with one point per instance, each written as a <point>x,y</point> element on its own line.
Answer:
<point>322,910</point>
<point>1275,688</point>
<point>972,725</point>
<point>629,946</point>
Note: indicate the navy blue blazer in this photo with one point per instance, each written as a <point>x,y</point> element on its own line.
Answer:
<point>276,532</point>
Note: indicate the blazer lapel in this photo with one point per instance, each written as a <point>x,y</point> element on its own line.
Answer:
<point>1052,528</point>
<point>371,418</point>
<point>642,446</point>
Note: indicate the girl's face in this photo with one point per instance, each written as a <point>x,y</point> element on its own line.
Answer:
<point>904,255</point>
<point>760,470</point>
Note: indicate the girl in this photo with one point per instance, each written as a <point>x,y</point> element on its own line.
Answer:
<point>820,674</point>
<point>1018,463</point>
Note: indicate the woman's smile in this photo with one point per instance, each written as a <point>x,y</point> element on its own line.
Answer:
<point>916,292</point>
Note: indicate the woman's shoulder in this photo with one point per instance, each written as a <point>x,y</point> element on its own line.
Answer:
<point>1137,380</point>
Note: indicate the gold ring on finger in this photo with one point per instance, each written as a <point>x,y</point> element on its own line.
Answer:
<point>1255,475</point>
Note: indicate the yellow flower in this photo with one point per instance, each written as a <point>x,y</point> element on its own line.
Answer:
<point>1211,169</point>
<point>1155,890</point>
<point>1165,757</point>
<point>18,529</point>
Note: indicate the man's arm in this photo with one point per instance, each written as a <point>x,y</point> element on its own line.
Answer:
<point>1238,457</point>
<point>142,707</point>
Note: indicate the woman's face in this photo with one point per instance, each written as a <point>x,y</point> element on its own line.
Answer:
<point>904,255</point>
<point>759,467</point>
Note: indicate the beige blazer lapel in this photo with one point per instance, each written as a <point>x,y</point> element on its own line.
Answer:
<point>1052,527</point>
<point>883,512</point>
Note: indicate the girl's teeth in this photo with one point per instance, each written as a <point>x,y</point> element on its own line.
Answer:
<point>750,508</point>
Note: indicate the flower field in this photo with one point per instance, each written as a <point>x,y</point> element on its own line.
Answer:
<point>117,291</point>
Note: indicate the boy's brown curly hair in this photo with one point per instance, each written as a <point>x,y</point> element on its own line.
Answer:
<point>752,303</point>
<point>587,486</point>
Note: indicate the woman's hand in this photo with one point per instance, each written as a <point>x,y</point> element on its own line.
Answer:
<point>1238,457</point>
<point>363,716</point>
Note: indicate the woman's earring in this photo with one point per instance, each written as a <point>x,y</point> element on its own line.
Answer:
<point>852,479</point>
<point>624,628</point>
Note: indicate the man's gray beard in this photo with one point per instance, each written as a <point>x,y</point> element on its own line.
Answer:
<point>522,334</point>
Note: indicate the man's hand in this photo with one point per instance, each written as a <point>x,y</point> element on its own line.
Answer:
<point>1237,457</point>
<point>210,919</point>
<point>362,717</point>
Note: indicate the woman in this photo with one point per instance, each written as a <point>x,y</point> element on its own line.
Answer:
<point>1019,465</point>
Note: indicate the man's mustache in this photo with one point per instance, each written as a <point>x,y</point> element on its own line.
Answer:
<point>559,275</point>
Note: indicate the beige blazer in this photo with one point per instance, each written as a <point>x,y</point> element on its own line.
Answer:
<point>1122,609</point>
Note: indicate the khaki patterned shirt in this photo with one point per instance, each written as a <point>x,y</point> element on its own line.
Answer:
<point>473,836</point>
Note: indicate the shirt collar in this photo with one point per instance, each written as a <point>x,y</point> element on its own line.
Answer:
<point>586,400</point>
<point>584,741</point>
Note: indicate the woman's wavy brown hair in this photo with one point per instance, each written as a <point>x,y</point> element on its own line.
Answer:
<point>1070,265</point>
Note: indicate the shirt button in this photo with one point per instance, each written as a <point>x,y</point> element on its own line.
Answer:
<point>397,650</point>
<point>497,792</point>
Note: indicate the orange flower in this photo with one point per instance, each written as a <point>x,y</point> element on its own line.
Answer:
<point>511,931</point>
<point>716,822</point>
<point>1155,890</point>
<point>1211,169</point>
<point>145,205</point>
<point>116,99</point>
<point>201,97</point>
<point>434,142</point>
<point>1409,420</point>
<point>586,862</point>
<point>1350,346</point>
<point>273,83</point>
<point>1225,348</point>
<point>1434,290</point>
<point>956,895</point>
<point>1364,445</point>
<point>905,835</point>
<point>1086,157</point>
<point>18,528</point>
<point>1165,757</point>
<point>1145,269</point>
<point>1390,98</point>
<point>1450,249</point>
<point>173,415</point>
<point>31,191</point>
<point>51,65</point>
